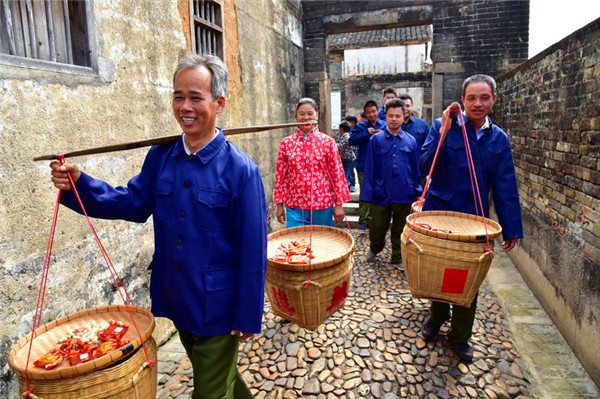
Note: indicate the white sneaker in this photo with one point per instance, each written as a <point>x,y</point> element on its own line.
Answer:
<point>370,255</point>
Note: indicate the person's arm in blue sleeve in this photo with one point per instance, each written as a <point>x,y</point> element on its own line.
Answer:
<point>359,135</point>
<point>366,191</point>
<point>101,200</point>
<point>505,195</point>
<point>251,238</point>
<point>416,173</point>
<point>430,146</point>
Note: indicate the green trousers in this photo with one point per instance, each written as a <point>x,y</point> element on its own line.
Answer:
<point>364,208</point>
<point>461,319</point>
<point>381,215</point>
<point>214,363</point>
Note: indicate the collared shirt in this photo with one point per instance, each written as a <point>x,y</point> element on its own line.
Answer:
<point>209,214</point>
<point>451,187</point>
<point>360,136</point>
<point>391,169</point>
<point>187,149</point>
<point>479,131</point>
<point>309,172</point>
<point>417,128</point>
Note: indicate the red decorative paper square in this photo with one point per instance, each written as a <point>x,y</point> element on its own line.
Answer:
<point>280,301</point>
<point>339,295</point>
<point>454,281</point>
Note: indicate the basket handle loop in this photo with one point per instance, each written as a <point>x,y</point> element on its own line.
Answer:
<point>306,284</point>
<point>29,394</point>
<point>411,241</point>
<point>484,255</point>
<point>136,377</point>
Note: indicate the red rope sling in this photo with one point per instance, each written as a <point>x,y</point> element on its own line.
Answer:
<point>311,156</point>
<point>43,283</point>
<point>455,108</point>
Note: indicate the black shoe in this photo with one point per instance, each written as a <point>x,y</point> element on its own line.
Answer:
<point>430,330</point>
<point>464,351</point>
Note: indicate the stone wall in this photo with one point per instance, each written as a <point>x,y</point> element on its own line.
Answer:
<point>550,108</point>
<point>127,100</point>
<point>471,37</point>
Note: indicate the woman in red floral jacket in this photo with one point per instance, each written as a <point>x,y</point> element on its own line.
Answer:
<point>310,182</point>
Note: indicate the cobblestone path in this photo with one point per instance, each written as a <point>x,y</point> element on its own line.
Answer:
<point>371,349</point>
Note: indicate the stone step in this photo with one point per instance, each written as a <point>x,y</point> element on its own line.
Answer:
<point>352,220</point>
<point>351,208</point>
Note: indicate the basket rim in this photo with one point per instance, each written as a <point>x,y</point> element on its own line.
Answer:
<point>493,228</point>
<point>314,265</point>
<point>36,373</point>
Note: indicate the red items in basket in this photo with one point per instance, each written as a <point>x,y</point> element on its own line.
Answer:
<point>297,252</point>
<point>82,357</point>
<point>50,359</point>
<point>108,347</point>
<point>113,333</point>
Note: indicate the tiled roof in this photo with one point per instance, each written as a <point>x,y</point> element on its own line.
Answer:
<point>380,37</point>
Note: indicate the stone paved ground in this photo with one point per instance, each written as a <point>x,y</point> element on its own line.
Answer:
<point>369,349</point>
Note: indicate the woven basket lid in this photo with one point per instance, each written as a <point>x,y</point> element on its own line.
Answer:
<point>455,226</point>
<point>330,246</point>
<point>47,336</point>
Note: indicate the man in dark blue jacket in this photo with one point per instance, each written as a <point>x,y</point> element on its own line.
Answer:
<point>414,126</point>
<point>389,93</point>
<point>360,136</point>
<point>207,203</point>
<point>451,188</point>
<point>391,181</point>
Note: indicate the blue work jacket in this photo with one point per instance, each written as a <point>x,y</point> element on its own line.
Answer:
<point>450,187</point>
<point>391,169</point>
<point>381,114</point>
<point>417,128</point>
<point>209,213</point>
<point>360,136</point>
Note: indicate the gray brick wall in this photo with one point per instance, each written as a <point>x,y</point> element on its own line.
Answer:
<point>471,37</point>
<point>550,108</point>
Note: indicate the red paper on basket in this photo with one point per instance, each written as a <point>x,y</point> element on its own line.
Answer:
<point>454,281</point>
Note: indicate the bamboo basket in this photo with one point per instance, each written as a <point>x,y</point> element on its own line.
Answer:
<point>445,254</point>
<point>330,275</point>
<point>121,374</point>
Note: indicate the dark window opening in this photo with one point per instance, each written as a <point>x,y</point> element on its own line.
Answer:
<point>48,30</point>
<point>207,27</point>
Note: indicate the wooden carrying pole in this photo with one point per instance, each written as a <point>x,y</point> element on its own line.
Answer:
<point>166,140</point>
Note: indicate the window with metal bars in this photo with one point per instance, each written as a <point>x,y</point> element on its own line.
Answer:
<point>207,27</point>
<point>39,31</point>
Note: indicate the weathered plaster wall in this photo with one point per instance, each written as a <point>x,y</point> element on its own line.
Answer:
<point>43,112</point>
<point>550,107</point>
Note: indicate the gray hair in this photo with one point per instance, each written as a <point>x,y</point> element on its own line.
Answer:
<point>480,78</point>
<point>309,101</point>
<point>220,75</point>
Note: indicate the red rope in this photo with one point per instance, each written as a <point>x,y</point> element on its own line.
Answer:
<point>474,184</point>
<point>472,175</point>
<point>42,291</point>
<point>115,276</point>
<point>44,280</point>
<point>305,141</point>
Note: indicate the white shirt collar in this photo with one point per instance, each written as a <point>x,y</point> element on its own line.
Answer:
<point>187,149</point>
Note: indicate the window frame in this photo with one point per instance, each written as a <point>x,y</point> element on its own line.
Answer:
<point>58,66</point>
<point>216,25</point>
